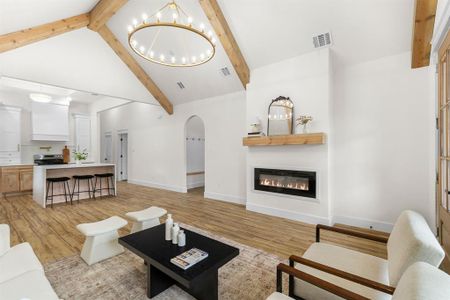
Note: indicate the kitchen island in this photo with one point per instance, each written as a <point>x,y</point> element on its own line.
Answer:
<point>42,172</point>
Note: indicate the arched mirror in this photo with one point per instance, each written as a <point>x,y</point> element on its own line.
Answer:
<point>280,118</point>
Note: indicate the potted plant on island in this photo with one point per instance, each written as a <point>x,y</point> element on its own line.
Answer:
<point>80,156</point>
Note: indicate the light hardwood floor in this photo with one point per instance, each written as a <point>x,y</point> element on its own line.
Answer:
<point>53,235</point>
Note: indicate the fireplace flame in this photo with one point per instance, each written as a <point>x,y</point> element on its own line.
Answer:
<point>278,183</point>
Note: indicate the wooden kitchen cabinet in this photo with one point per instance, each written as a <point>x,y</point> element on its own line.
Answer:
<point>16,179</point>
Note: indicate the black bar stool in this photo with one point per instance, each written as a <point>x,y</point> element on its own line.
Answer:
<point>76,183</point>
<point>109,177</point>
<point>65,183</point>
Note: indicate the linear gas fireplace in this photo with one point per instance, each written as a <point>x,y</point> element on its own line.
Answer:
<point>299,183</point>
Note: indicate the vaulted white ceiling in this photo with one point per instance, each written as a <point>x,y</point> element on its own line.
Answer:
<point>267,31</point>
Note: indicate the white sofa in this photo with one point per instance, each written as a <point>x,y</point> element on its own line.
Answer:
<point>21,274</point>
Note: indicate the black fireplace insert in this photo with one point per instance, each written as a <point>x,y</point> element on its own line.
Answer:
<point>298,183</point>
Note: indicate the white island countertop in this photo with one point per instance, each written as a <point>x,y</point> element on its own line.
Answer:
<point>73,166</point>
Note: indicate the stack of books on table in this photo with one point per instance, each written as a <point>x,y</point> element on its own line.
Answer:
<point>189,258</point>
<point>255,134</point>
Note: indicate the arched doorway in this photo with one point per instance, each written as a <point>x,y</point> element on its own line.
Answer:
<point>195,155</point>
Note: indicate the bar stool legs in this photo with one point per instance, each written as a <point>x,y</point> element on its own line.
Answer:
<point>76,184</point>
<point>110,187</point>
<point>50,186</point>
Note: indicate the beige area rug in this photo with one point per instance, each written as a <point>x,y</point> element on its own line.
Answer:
<point>251,275</point>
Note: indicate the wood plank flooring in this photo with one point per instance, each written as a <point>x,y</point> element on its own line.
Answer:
<point>53,235</point>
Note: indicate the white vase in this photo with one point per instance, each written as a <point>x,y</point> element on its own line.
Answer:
<point>181,238</point>
<point>78,162</point>
<point>175,230</point>
<point>169,225</point>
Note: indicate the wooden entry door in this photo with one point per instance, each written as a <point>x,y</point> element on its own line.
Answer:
<point>443,190</point>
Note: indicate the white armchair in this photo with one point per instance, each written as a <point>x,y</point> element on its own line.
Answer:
<point>5,241</point>
<point>411,241</point>
<point>420,281</point>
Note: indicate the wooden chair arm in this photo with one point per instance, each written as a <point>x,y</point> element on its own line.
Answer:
<point>348,276</point>
<point>368,236</point>
<point>325,285</point>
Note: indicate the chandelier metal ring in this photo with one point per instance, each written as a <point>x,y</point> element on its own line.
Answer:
<point>200,33</point>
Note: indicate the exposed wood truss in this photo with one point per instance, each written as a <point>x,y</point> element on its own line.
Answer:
<point>220,25</point>
<point>103,11</point>
<point>133,65</point>
<point>27,36</point>
<point>423,32</point>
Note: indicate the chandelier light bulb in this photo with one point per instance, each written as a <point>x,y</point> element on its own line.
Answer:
<point>142,49</point>
<point>130,28</point>
<point>158,16</point>
<point>144,17</point>
<point>162,57</point>
<point>134,43</point>
<point>202,26</point>
<point>189,20</point>
<point>208,52</point>
<point>213,40</point>
<point>173,59</point>
<point>175,16</point>
<point>152,54</point>
<point>183,60</point>
<point>135,22</point>
<point>202,56</point>
<point>210,33</point>
<point>194,59</point>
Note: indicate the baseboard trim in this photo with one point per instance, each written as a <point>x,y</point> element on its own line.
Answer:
<point>306,218</point>
<point>363,223</point>
<point>195,185</point>
<point>156,185</point>
<point>224,197</point>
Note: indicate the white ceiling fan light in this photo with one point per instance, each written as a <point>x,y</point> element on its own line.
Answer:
<point>41,98</point>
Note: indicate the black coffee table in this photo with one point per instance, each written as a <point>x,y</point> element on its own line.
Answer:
<point>200,280</point>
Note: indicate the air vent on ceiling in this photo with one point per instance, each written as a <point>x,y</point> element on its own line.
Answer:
<point>225,72</point>
<point>322,40</point>
<point>180,85</point>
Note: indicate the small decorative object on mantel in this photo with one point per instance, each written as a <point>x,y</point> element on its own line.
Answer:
<point>256,129</point>
<point>304,120</point>
<point>280,120</point>
<point>80,156</point>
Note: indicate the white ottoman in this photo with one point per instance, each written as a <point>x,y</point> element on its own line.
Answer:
<point>146,218</point>
<point>101,239</point>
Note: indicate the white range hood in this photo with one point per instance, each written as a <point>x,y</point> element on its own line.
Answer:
<point>50,122</point>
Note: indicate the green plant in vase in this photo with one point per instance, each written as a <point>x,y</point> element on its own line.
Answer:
<point>80,156</point>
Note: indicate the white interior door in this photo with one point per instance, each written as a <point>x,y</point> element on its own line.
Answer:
<point>107,151</point>
<point>123,156</point>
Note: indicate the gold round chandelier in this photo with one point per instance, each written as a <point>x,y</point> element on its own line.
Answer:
<point>169,38</point>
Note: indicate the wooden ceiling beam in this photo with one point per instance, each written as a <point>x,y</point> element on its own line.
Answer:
<point>103,11</point>
<point>425,12</point>
<point>223,31</point>
<point>27,36</point>
<point>134,66</point>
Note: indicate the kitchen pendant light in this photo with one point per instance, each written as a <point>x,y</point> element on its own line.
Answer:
<point>42,98</point>
<point>171,38</point>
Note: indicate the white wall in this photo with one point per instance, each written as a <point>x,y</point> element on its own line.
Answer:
<point>29,147</point>
<point>195,152</point>
<point>384,142</point>
<point>306,80</point>
<point>156,144</point>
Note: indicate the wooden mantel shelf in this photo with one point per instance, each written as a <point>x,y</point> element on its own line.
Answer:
<point>292,139</point>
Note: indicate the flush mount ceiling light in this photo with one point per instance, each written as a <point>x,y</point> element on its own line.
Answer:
<point>170,37</point>
<point>42,98</point>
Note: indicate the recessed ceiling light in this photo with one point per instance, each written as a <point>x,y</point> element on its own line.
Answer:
<point>42,98</point>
